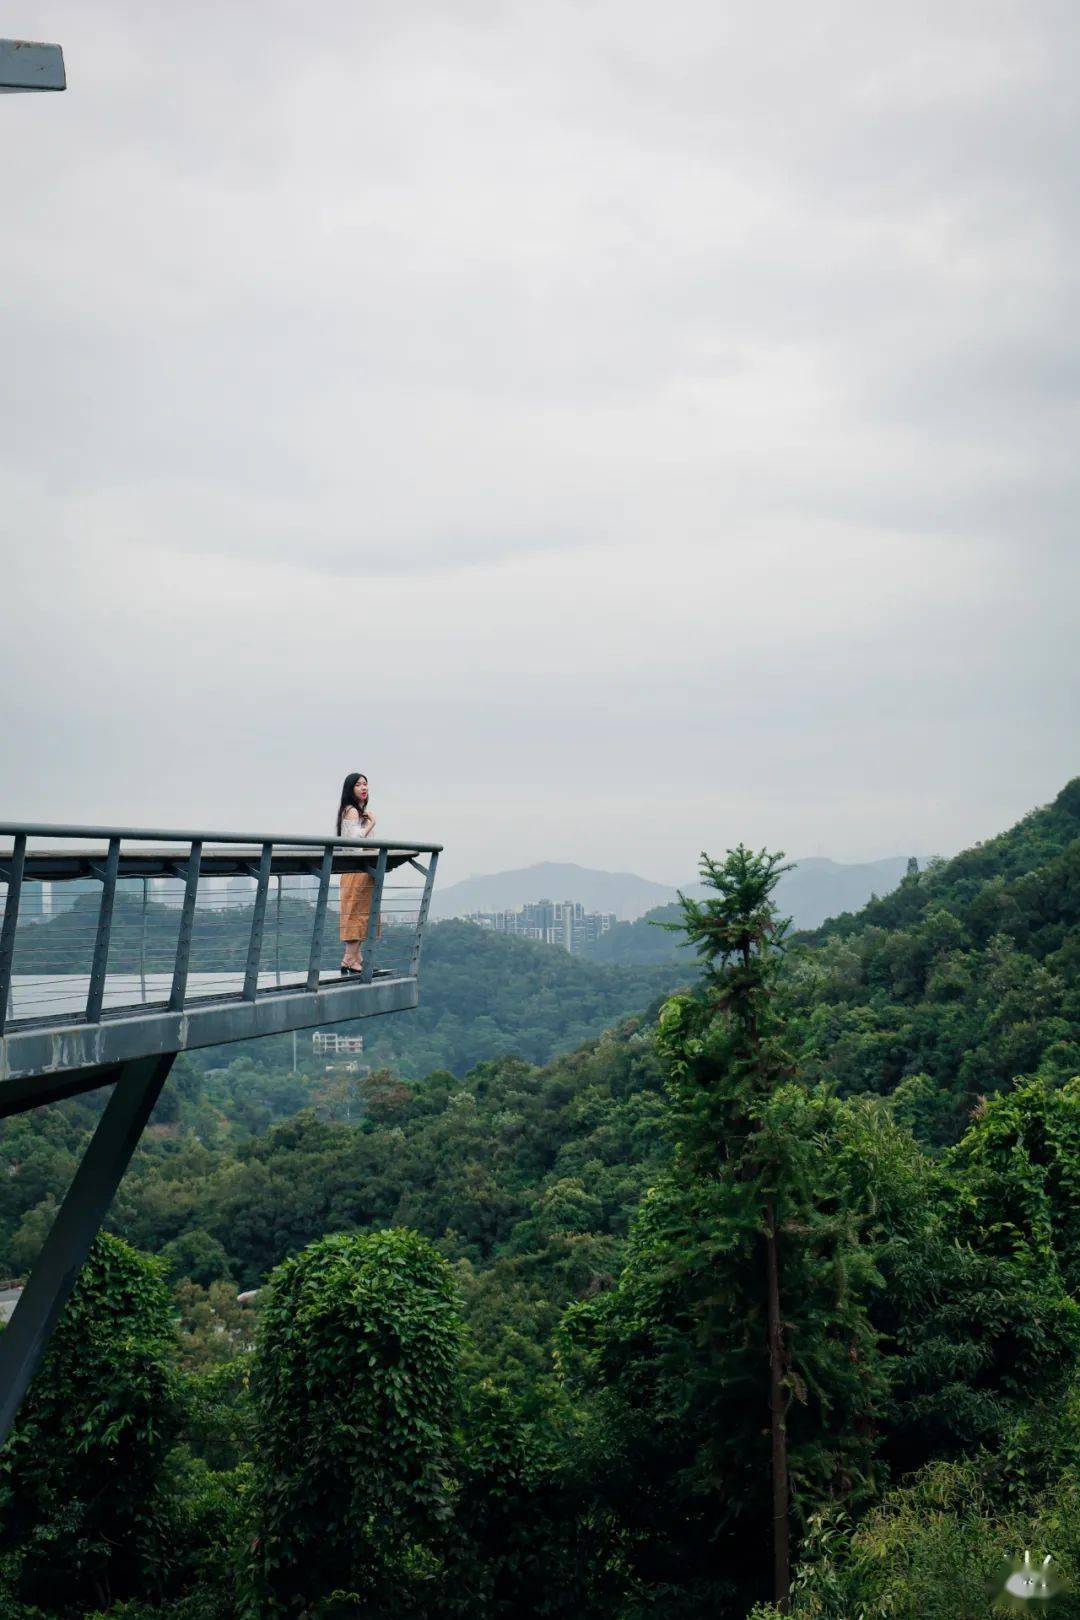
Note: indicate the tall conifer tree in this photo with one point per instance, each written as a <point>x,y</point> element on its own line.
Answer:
<point>737,1336</point>
<point>739,937</point>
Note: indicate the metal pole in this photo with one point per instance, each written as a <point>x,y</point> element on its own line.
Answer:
<point>24,1340</point>
<point>422,915</point>
<point>26,65</point>
<point>277,935</point>
<point>315,959</point>
<point>258,918</point>
<point>142,940</point>
<point>10,923</point>
<point>96,993</point>
<point>182,835</point>
<point>187,923</point>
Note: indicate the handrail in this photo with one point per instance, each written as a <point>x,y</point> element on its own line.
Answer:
<point>49,852</point>
<point>44,829</point>
<point>76,1032</point>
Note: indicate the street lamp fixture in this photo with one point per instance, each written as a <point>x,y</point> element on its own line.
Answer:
<point>27,66</point>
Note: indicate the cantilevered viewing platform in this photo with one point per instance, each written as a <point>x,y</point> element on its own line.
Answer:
<point>119,943</point>
<point>122,947</point>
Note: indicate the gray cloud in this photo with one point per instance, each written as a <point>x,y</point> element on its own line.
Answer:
<point>625,429</point>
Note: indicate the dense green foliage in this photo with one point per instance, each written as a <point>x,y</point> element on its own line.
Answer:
<point>526,1177</point>
<point>352,1386</point>
<point>940,1548</point>
<point>965,976</point>
<point>82,1510</point>
<point>646,939</point>
<point>488,994</point>
<point>742,1229</point>
<point>915,1322</point>
<point>595,1439</point>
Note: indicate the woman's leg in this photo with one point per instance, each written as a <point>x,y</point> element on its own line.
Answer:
<point>351,927</point>
<point>360,912</point>
<point>357,890</point>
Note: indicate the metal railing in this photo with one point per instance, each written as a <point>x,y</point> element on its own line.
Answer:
<point>99,923</point>
<point>122,946</point>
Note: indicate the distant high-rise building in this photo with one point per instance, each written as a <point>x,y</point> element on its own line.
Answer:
<point>555,922</point>
<point>42,900</point>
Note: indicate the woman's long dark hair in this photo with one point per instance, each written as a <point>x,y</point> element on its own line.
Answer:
<point>348,798</point>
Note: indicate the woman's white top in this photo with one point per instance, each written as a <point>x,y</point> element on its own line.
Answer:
<point>353,827</point>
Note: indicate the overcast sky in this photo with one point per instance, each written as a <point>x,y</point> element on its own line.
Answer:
<point>618,428</point>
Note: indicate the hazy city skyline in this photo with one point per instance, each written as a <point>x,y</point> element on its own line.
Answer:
<point>616,431</point>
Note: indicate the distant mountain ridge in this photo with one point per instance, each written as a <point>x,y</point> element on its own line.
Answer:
<point>624,893</point>
<point>818,888</point>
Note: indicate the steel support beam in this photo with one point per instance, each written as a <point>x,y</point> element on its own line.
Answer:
<point>27,65</point>
<point>319,924</point>
<point>21,1096</point>
<point>258,919</point>
<point>14,876</point>
<point>24,1340</point>
<point>165,835</point>
<point>25,1054</point>
<point>67,863</point>
<point>187,922</point>
<point>422,916</point>
<point>96,993</point>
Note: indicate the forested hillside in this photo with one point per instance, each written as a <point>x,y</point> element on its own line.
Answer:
<point>565,1260</point>
<point>485,994</point>
<point>965,976</point>
<point>531,1173</point>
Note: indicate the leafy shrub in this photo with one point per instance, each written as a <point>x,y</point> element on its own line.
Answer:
<point>353,1384</point>
<point>81,1474</point>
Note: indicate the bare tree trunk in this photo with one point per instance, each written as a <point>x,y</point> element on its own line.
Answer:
<point>778,1417</point>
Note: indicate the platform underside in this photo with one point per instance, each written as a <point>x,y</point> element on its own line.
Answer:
<point>36,1060</point>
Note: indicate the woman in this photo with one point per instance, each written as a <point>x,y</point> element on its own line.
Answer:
<point>354,820</point>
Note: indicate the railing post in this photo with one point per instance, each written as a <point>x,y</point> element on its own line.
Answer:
<point>277,934</point>
<point>187,923</point>
<point>258,918</point>
<point>318,926</point>
<point>11,922</point>
<point>95,995</point>
<point>374,918</point>
<point>142,939</point>
<point>422,915</point>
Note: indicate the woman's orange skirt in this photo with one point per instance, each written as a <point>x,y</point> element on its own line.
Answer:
<point>357,889</point>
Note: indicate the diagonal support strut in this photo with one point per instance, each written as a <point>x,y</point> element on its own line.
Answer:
<point>24,1340</point>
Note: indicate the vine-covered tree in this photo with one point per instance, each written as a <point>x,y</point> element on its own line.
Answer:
<point>81,1504</point>
<point>353,1387</point>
